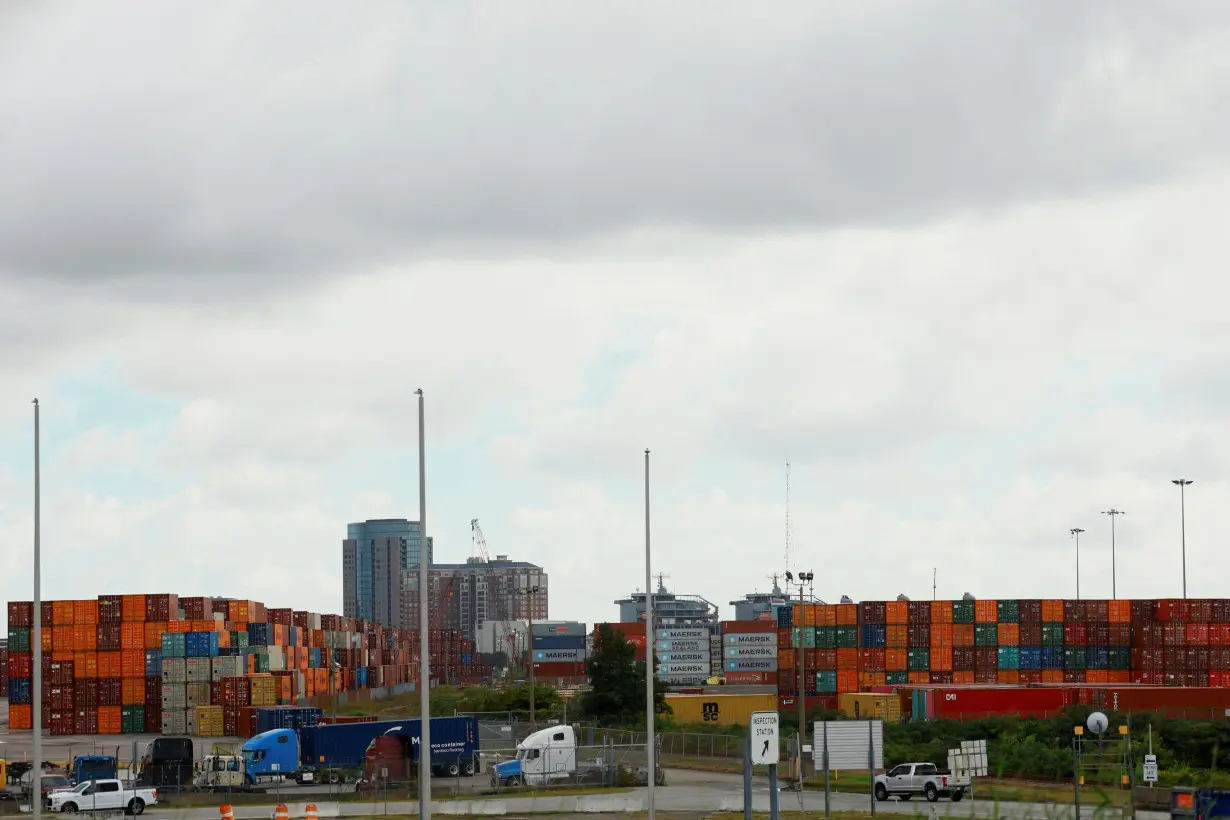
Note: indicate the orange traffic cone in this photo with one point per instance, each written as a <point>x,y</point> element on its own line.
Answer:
<point>281,813</point>
<point>227,812</point>
<point>309,812</point>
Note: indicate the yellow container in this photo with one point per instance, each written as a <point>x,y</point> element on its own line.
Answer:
<point>870,705</point>
<point>719,710</point>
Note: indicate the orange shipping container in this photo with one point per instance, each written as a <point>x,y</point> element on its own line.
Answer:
<point>85,613</point>
<point>941,635</point>
<point>63,639</point>
<point>847,681</point>
<point>941,658</point>
<point>1009,634</point>
<point>896,660</point>
<point>870,681</point>
<point>85,665</point>
<point>1052,613</point>
<point>897,636</point>
<point>1009,677</point>
<point>21,716</point>
<point>110,665</point>
<point>785,660</point>
<point>133,608</point>
<point>963,677</point>
<point>48,641</point>
<point>153,634</point>
<point>962,634</point>
<point>826,615</point>
<point>62,613</point>
<point>1120,612</point>
<point>1097,676</point>
<point>62,656</point>
<point>109,720</point>
<point>808,614</point>
<point>941,612</point>
<point>847,614</point>
<point>847,660</point>
<point>897,612</point>
<point>179,627</point>
<point>1119,676</point>
<point>132,636</point>
<point>1052,676</point>
<point>85,638</point>
<point>132,692</point>
<point>132,663</point>
<point>986,612</point>
<point>919,678</point>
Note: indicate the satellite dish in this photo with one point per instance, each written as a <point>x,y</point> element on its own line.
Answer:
<point>1097,723</point>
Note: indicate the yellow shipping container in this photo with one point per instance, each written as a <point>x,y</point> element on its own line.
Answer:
<point>720,710</point>
<point>870,705</point>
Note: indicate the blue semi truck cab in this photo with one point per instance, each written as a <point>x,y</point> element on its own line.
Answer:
<point>275,755</point>
<point>93,767</point>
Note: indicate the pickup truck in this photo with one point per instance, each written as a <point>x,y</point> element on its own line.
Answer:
<point>926,779</point>
<point>92,795</point>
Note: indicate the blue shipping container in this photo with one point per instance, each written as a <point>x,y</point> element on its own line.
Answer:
<point>314,659</point>
<point>785,616</point>
<point>201,644</point>
<point>1052,657</point>
<point>258,634</point>
<point>286,717</point>
<point>467,659</point>
<point>153,663</point>
<point>19,691</point>
<point>1097,657</point>
<point>1009,657</point>
<point>873,636</point>
<point>560,642</point>
<point>361,676</point>
<point>1031,657</point>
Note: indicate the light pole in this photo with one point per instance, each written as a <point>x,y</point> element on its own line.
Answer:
<point>1112,512</point>
<point>424,649</point>
<point>804,578</point>
<point>36,772</point>
<point>530,593</point>
<point>1183,482</point>
<point>649,655</point>
<point>1076,533</point>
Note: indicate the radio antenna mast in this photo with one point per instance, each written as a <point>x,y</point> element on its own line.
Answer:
<point>787,515</point>
<point>933,570</point>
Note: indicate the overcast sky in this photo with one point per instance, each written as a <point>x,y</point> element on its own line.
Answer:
<point>962,264</point>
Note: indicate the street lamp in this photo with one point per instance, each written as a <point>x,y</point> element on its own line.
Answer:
<point>529,592</point>
<point>36,772</point>
<point>1183,482</point>
<point>1076,533</point>
<point>1112,512</point>
<point>424,649</point>
<point>804,578</point>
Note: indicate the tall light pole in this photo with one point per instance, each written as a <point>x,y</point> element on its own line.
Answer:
<point>1113,513</point>
<point>804,578</point>
<point>36,772</point>
<point>1076,533</point>
<point>530,593</point>
<point>1183,482</point>
<point>649,653</point>
<point>424,649</point>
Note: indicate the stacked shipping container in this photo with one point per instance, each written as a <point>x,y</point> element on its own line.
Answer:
<point>149,663</point>
<point>559,652</point>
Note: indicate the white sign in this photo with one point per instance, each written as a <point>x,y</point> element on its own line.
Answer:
<point>1150,769</point>
<point>969,759</point>
<point>765,751</point>
<point>848,742</point>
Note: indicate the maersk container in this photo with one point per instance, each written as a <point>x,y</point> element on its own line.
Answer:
<point>559,642</point>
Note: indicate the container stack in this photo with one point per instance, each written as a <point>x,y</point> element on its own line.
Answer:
<point>749,650</point>
<point>559,651</point>
<point>684,655</point>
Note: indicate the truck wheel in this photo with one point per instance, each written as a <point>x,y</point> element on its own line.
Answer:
<point>69,808</point>
<point>957,795</point>
<point>932,793</point>
<point>881,792</point>
<point>467,768</point>
<point>137,806</point>
<point>515,781</point>
<point>453,769</point>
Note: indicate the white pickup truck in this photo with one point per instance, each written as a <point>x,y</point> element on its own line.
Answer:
<point>102,795</point>
<point>926,779</point>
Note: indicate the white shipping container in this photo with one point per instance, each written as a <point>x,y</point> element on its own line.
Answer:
<point>198,670</point>
<point>313,620</point>
<point>229,666</point>
<point>173,671</point>
<point>277,659</point>
<point>196,694</point>
<point>174,722</point>
<point>173,697</point>
<point>190,722</point>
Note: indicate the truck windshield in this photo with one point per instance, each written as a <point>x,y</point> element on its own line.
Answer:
<point>253,755</point>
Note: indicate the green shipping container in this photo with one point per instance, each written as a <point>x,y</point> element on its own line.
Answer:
<point>826,682</point>
<point>896,678</point>
<point>986,634</point>
<point>1120,658</point>
<point>262,662</point>
<point>1074,657</point>
<point>1009,613</point>
<point>19,639</point>
<point>826,637</point>
<point>1009,657</point>
<point>962,612</point>
<point>132,720</point>
<point>174,645</point>
<point>239,638</point>
<point>847,637</point>
<point>1052,634</point>
<point>918,660</point>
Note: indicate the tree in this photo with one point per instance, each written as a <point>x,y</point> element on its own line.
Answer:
<point>617,680</point>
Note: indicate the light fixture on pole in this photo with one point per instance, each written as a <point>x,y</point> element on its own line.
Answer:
<point>1113,513</point>
<point>1076,533</point>
<point>530,593</point>
<point>803,579</point>
<point>424,649</point>
<point>1183,482</point>
<point>651,768</point>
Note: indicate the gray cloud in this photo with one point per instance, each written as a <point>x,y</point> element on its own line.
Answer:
<point>182,140</point>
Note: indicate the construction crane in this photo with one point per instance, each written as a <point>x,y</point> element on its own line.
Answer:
<point>508,636</point>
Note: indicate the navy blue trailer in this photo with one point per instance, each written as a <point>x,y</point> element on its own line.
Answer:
<point>454,743</point>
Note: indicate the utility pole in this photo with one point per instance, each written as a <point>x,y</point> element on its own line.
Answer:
<point>1076,533</point>
<point>1183,482</point>
<point>36,773</point>
<point>1113,513</point>
<point>424,649</point>
<point>803,579</point>
<point>649,655</point>
<point>529,595</point>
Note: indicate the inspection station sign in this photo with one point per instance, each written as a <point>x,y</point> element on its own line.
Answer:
<point>765,746</point>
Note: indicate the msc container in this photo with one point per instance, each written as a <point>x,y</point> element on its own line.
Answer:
<point>867,705</point>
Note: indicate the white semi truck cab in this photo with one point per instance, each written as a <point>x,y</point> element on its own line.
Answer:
<point>545,756</point>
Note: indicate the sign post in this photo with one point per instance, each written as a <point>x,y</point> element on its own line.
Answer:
<point>1150,769</point>
<point>763,733</point>
<point>747,777</point>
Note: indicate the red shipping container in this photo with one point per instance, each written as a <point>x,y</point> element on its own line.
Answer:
<point>1144,612</point>
<point>963,659</point>
<point>1031,633</point>
<point>110,609</point>
<point>745,627</point>
<point>1119,633</point>
<point>21,614</point>
<point>85,721</point>
<point>1073,676</point>
<point>1097,633</point>
<point>975,702</point>
<point>20,665</point>
<point>1030,612</point>
<point>871,612</point>
<point>110,694</point>
<point>918,612</point>
<point>1197,634</point>
<point>919,634</point>
<point>1074,634</point>
<point>1030,676</point>
<point>941,678</point>
<point>1073,612</point>
<point>1200,610</point>
<point>872,660</point>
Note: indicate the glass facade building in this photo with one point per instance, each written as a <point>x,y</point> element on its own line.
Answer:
<point>374,555</point>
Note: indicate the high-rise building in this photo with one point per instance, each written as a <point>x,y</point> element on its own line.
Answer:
<point>375,553</point>
<point>467,596</point>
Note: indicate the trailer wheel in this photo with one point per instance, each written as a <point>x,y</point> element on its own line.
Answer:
<point>453,769</point>
<point>467,768</point>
